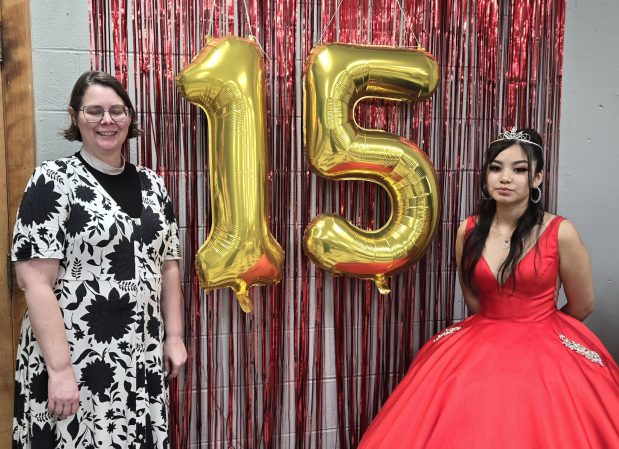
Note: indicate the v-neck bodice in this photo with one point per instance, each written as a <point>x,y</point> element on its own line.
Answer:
<point>530,292</point>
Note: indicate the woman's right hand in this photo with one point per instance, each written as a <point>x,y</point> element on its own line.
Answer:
<point>63,394</point>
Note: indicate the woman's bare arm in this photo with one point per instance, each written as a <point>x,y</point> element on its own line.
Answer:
<point>174,352</point>
<point>36,278</point>
<point>575,272</point>
<point>472,301</point>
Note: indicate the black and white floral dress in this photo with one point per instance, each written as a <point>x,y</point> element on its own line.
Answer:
<point>108,288</point>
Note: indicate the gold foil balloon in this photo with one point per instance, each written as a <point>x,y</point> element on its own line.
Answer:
<point>337,77</point>
<point>226,80</point>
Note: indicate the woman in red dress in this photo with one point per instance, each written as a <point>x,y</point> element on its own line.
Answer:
<point>519,373</point>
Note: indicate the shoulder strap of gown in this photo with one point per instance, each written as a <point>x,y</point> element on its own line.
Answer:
<point>552,230</point>
<point>471,221</point>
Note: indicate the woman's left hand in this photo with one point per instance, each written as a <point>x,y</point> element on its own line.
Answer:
<point>174,356</point>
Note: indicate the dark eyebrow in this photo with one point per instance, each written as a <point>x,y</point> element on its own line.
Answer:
<point>523,161</point>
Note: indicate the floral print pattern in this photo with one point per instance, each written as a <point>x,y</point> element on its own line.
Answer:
<point>108,288</point>
<point>39,203</point>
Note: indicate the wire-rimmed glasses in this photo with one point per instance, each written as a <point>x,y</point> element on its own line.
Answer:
<point>93,113</point>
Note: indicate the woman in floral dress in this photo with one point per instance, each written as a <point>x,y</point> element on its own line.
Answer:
<point>96,252</point>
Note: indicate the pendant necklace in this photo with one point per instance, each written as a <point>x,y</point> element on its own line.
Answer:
<point>505,243</point>
<point>505,239</point>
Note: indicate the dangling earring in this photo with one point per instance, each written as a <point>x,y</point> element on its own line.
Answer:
<point>483,194</point>
<point>539,195</point>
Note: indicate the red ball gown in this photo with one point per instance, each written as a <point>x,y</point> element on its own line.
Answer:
<point>519,375</point>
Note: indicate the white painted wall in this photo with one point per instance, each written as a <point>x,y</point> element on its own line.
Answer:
<point>589,153</point>
<point>589,159</point>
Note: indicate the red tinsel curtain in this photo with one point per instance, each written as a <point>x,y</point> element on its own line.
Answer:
<point>317,358</point>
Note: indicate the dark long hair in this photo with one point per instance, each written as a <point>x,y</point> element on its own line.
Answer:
<point>532,217</point>
<point>82,84</point>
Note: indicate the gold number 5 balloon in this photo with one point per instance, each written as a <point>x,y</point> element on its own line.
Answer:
<point>337,77</point>
<point>226,80</point>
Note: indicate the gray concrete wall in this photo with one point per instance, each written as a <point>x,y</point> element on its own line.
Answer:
<point>589,153</point>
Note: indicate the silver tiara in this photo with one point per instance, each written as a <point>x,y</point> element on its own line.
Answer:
<point>512,134</point>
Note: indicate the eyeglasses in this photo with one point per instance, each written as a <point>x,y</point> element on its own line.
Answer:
<point>94,114</point>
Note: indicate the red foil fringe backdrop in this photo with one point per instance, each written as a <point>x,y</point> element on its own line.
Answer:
<point>317,358</point>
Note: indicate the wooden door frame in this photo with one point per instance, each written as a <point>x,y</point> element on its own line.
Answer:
<point>17,160</point>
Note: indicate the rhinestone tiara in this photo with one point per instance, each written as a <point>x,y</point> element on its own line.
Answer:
<point>512,134</point>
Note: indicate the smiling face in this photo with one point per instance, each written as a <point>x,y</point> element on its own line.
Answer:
<point>103,138</point>
<point>508,180</point>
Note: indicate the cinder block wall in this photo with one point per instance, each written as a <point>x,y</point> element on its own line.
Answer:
<point>60,53</point>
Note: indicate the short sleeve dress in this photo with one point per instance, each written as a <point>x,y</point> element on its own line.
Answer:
<point>108,288</point>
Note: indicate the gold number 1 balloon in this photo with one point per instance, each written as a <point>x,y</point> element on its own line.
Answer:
<point>337,77</point>
<point>226,80</point>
